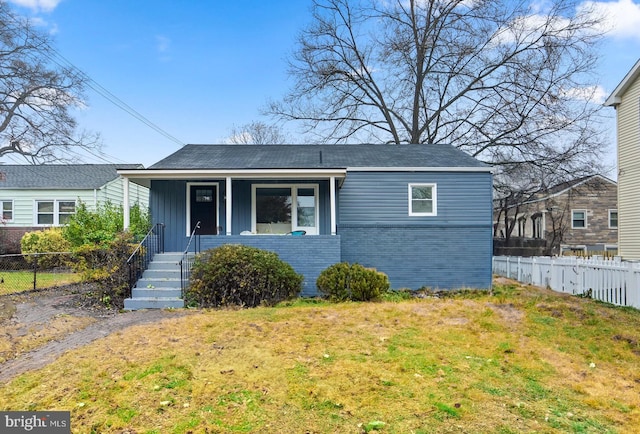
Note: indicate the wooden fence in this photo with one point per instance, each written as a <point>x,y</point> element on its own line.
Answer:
<point>606,279</point>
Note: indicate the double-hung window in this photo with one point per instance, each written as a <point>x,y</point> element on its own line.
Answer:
<point>54,212</point>
<point>6,207</point>
<point>522,226</point>
<point>422,200</point>
<point>536,226</point>
<point>578,218</point>
<point>613,219</point>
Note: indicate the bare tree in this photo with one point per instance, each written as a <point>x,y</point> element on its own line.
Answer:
<point>37,94</point>
<point>257,133</point>
<point>503,81</point>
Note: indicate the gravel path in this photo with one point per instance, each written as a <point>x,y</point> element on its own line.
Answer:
<point>21,314</point>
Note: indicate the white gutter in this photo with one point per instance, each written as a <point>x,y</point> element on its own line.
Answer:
<point>236,173</point>
<point>419,169</point>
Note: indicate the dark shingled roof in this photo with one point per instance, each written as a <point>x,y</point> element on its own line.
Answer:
<point>60,177</point>
<point>315,157</point>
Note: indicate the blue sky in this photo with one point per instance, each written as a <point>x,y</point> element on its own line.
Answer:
<point>196,68</point>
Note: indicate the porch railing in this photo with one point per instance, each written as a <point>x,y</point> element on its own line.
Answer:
<point>139,260</point>
<point>187,260</point>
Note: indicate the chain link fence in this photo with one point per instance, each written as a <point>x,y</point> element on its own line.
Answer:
<point>19,273</point>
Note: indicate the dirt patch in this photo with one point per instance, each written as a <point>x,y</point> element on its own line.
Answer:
<point>39,326</point>
<point>509,313</point>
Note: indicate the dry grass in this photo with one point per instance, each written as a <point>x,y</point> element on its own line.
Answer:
<point>523,360</point>
<point>16,339</point>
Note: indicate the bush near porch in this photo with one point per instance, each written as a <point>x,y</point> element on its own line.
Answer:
<point>240,275</point>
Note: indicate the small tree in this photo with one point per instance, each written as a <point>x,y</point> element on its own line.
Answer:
<point>101,227</point>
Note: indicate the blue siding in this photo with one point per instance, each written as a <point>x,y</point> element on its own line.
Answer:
<point>168,205</point>
<point>448,251</point>
<point>377,197</point>
<point>307,255</point>
<point>415,257</point>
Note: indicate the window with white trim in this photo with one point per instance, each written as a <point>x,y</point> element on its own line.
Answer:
<point>536,226</point>
<point>613,219</point>
<point>285,208</point>
<point>422,199</point>
<point>7,210</point>
<point>521,226</point>
<point>54,212</point>
<point>578,218</point>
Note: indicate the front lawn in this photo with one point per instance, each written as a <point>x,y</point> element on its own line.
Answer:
<point>521,360</point>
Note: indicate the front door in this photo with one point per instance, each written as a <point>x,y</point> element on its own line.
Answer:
<point>203,209</point>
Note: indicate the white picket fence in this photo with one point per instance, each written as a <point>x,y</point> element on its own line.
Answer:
<point>609,280</point>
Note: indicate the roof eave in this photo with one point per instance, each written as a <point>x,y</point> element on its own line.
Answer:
<point>233,173</point>
<point>422,169</point>
<point>616,96</point>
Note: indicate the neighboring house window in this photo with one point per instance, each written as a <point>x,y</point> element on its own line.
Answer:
<point>613,219</point>
<point>578,219</point>
<point>280,209</point>
<point>7,210</point>
<point>422,200</point>
<point>54,212</point>
<point>536,223</point>
<point>521,226</point>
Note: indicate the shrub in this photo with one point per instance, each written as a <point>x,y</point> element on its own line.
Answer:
<point>107,266</point>
<point>241,275</point>
<point>102,226</point>
<point>45,241</point>
<point>344,281</point>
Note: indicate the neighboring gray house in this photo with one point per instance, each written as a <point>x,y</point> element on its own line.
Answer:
<point>35,197</point>
<point>577,215</point>
<point>422,214</point>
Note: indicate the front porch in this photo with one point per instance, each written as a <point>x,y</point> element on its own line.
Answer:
<point>160,284</point>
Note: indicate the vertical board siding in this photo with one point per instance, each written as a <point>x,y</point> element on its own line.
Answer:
<point>168,205</point>
<point>628,122</point>
<point>448,251</point>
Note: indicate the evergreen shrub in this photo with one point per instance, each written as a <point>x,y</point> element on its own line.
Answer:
<point>344,281</point>
<point>237,275</point>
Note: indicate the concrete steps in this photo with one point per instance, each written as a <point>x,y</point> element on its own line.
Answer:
<point>159,286</point>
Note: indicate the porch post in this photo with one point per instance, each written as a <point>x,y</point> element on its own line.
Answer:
<point>332,193</point>
<point>228,205</point>
<point>125,203</point>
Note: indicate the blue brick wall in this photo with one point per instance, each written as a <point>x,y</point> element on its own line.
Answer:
<point>413,257</point>
<point>308,255</point>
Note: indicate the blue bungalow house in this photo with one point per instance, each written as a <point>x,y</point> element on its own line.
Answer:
<point>422,214</point>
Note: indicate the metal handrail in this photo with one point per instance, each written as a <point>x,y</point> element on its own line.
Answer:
<point>151,244</point>
<point>185,262</point>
